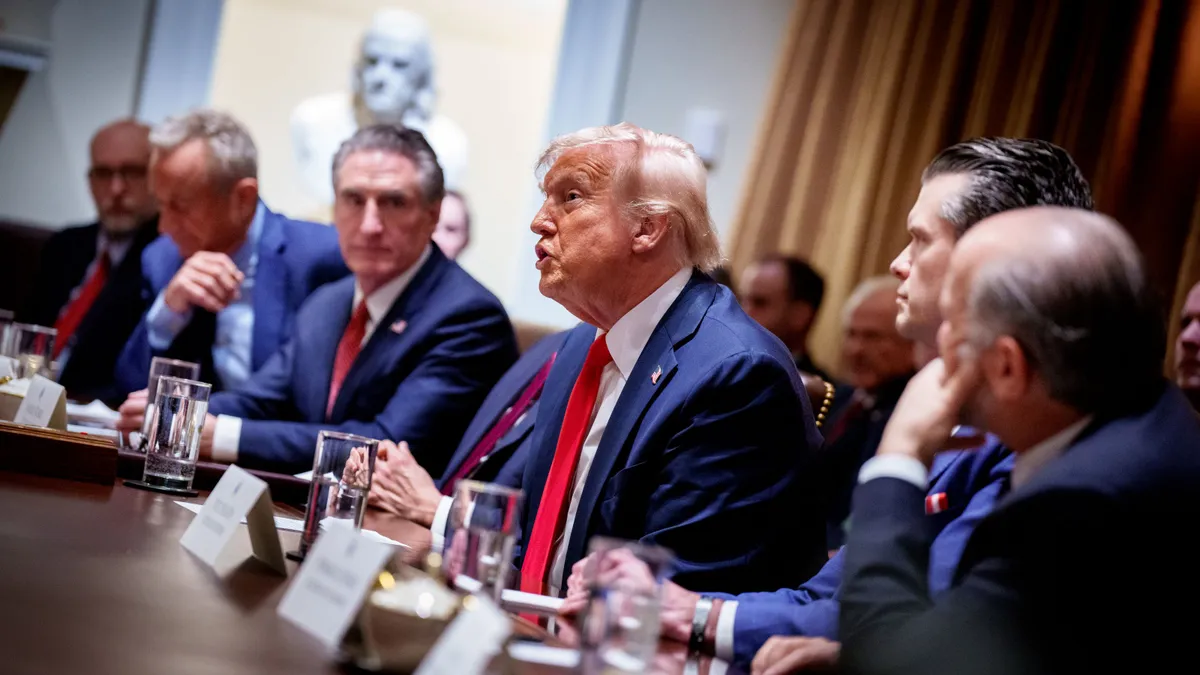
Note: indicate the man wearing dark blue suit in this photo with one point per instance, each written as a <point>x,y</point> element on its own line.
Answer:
<point>493,450</point>
<point>669,417</point>
<point>89,283</point>
<point>224,284</point>
<point>406,348</point>
<point>1037,302</point>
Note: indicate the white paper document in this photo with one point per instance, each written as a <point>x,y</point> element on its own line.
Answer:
<point>94,414</point>
<point>281,522</point>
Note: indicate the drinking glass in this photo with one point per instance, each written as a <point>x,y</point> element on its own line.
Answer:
<point>6,320</point>
<point>483,523</point>
<point>174,440</point>
<point>342,469</point>
<point>159,367</point>
<point>620,626</point>
<point>33,347</point>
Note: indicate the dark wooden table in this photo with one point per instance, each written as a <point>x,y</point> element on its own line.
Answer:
<point>93,580</point>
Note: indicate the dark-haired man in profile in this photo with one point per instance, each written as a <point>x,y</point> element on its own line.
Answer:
<point>783,294</point>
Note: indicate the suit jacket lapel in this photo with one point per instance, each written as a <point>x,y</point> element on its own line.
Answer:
<point>679,324</point>
<point>270,291</point>
<point>386,343</point>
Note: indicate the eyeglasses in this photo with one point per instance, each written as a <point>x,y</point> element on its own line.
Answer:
<point>128,173</point>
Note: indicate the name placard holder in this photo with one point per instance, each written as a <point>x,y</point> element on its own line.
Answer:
<point>236,496</point>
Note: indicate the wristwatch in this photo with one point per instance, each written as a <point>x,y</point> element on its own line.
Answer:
<point>699,621</point>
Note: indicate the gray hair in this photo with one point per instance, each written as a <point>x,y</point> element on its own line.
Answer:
<point>670,178</point>
<point>398,140</point>
<point>865,289</point>
<point>1086,319</point>
<point>231,150</point>
<point>1006,174</point>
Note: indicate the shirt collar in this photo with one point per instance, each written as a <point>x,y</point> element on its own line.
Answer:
<point>116,249</point>
<point>379,302</point>
<point>631,332</point>
<point>247,254</point>
<point>1034,459</point>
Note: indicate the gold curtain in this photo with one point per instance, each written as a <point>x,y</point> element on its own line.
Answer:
<point>867,91</point>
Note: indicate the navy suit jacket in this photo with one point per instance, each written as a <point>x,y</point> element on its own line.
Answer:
<point>972,481</point>
<point>708,459</point>
<point>417,381</point>
<point>113,316</point>
<point>1040,587</point>
<point>295,257</point>
<point>505,464</point>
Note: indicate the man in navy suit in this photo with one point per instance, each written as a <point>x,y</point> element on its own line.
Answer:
<point>89,284</point>
<point>493,450</point>
<point>670,416</point>
<point>1054,342</point>
<point>405,348</point>
<point>224,284</point>
<point>963,484</point>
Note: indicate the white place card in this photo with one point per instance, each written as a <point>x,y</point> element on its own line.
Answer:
<point>40,402</point>
<point>236,496</point>
<point>8,367</point>
<point>337,572</point>
<point>470,642</point>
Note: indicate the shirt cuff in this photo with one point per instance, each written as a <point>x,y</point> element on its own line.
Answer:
<point>724,646</point>
<point>164,324</point>
<point>438,529</point>
<point>907,469</point>
<point>226,436</point>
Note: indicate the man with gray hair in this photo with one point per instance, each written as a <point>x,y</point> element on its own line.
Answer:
<point>405,349</point>
<point>1052,341</point>
<point>224,284</point>
<point>669,416</point>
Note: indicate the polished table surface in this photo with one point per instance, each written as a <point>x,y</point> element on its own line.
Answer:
<point>93,580</point>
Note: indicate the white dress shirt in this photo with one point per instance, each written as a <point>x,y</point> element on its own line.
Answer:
<point>227,433</point>
<point>912,470</point>
<point>626,341</point>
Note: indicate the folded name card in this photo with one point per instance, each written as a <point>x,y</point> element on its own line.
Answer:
<point>471,641</point>
<point>236,496</point>
<point>332,584</point>
<point>43,400</point>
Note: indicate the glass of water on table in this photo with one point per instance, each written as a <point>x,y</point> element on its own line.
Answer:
<point>343,465</point>
<point>159,367</point>
<point>173,441</point>
<point>620,627</point>
<point>483,524</point>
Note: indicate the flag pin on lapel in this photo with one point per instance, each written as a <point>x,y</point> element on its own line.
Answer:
<point>399,326</point>
<point>655,375</point>
<point>936,503</point>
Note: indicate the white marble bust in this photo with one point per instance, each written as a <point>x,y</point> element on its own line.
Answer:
<point>393,83</point>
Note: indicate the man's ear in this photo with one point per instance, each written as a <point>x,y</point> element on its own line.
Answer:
<point>1006,368</point>
<point>650,232</point>
<point>245,196</point>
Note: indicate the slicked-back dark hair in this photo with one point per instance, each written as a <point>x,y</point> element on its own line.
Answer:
<point>804,283</point>
<point>1006,174</point>
<point>402,141</point>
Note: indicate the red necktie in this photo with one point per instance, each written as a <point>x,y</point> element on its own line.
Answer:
<point>70,318</point>
<point>553,507</point>
<point>506,422</point>
<point>347,350</point>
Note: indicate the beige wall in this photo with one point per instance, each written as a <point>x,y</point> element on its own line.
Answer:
<point>495,73</point>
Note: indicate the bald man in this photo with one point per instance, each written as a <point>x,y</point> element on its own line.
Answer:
<point>1088,561</point>
<point>1187,348</point>
<point>89,284</point>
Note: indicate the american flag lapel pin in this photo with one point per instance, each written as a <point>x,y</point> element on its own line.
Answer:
<point>399,326</point>
<point>936,503</point>
<point>655,375</point>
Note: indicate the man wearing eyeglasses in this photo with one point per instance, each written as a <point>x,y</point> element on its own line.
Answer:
<point>89,284</point>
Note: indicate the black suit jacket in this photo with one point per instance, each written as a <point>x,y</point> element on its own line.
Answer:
<point>1090,567</point>
<point>103,332</point>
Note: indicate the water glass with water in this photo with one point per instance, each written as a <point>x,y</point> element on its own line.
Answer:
<point>483,523</point>
<point>173,443</point>
<point>159,367</point>
<point>33,347</point>
<point>5,338</point>
<point>620,626</point>
<point>342,469</point>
